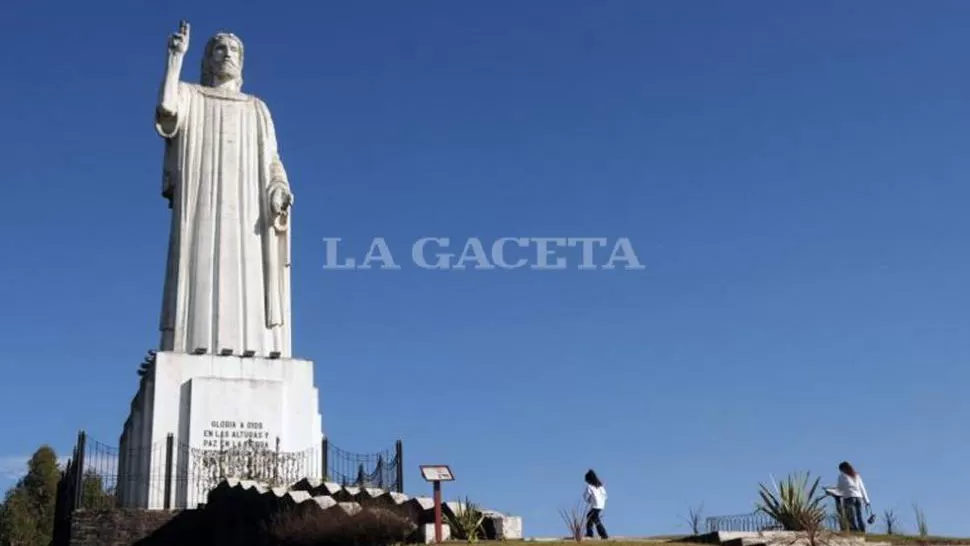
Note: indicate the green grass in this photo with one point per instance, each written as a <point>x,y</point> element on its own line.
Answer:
<point>901,540</point>
<point>633,541</point>
<point>657,541</point>
<point>914,539</point>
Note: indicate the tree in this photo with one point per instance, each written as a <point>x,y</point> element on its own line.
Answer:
<point>93,493</point>
<point>27,515</point>
<point>19,527</point>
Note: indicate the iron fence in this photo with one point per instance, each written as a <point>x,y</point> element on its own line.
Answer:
<point>171,475</point>
<point>383,470</point>
<point>758,521</point>
<point>742,522</point>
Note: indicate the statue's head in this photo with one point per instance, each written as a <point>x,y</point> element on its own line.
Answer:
<point>222,60</point>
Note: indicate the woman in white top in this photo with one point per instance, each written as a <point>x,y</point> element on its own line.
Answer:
<point>595,496</point>
<point>854,495</point>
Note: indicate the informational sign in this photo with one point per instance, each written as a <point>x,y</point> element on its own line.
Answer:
<point>437,473</point>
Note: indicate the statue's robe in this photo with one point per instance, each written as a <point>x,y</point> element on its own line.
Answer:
<point>227,284</point>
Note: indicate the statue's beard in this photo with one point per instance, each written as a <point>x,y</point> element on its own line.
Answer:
<point>226,72</point>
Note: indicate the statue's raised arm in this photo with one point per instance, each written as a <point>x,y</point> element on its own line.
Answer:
<point>167,110</point>
<point>228,274</point>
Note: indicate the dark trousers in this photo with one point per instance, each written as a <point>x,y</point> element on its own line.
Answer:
<point>852,508</point>
<point>593,519</point>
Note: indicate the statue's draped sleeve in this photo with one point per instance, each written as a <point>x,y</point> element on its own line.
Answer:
<point>277,244</point>
<point>277,174</point>
<point>167,125</point>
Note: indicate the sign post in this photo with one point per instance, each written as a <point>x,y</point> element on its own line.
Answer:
<point>437,473</point>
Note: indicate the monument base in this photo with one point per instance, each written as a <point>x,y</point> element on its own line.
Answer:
<point>198,419</point>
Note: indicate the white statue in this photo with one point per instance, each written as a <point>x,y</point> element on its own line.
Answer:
<point>227,285</point>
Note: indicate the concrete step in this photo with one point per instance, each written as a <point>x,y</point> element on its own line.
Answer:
<point>339,501</point>
<point>745,541</point>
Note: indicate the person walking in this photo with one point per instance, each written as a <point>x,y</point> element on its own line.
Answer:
<point>854,495</point>
<point>595,497</point>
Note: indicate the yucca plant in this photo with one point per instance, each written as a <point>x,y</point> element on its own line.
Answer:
<point>467,521</point>
<point>794,504</point>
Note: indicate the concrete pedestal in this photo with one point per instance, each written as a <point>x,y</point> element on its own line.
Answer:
<point>199,418</point>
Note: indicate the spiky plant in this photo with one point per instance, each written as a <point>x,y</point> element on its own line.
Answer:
<point>794,504</point>
<point>467,521</point>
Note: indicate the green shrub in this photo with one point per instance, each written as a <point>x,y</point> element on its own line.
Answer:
<point>372,526</point>
<point>467,522</point>
<point>794,504</point>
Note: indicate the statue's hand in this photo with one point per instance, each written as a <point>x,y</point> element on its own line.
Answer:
<point>280,200</point>
<point>178,42</point>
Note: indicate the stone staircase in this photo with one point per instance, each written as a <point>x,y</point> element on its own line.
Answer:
<point>347,501</point>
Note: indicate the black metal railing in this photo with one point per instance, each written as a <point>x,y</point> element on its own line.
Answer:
<point>171,475</point>
<point>757,521</point>
<point>741,522</point>
<point>383,470</point>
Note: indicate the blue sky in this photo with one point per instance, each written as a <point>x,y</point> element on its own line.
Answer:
<point>792,175</point>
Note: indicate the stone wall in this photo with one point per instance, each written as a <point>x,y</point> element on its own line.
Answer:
<point>239,514</point>
<point>142,527</point>
<point>119,527</point>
